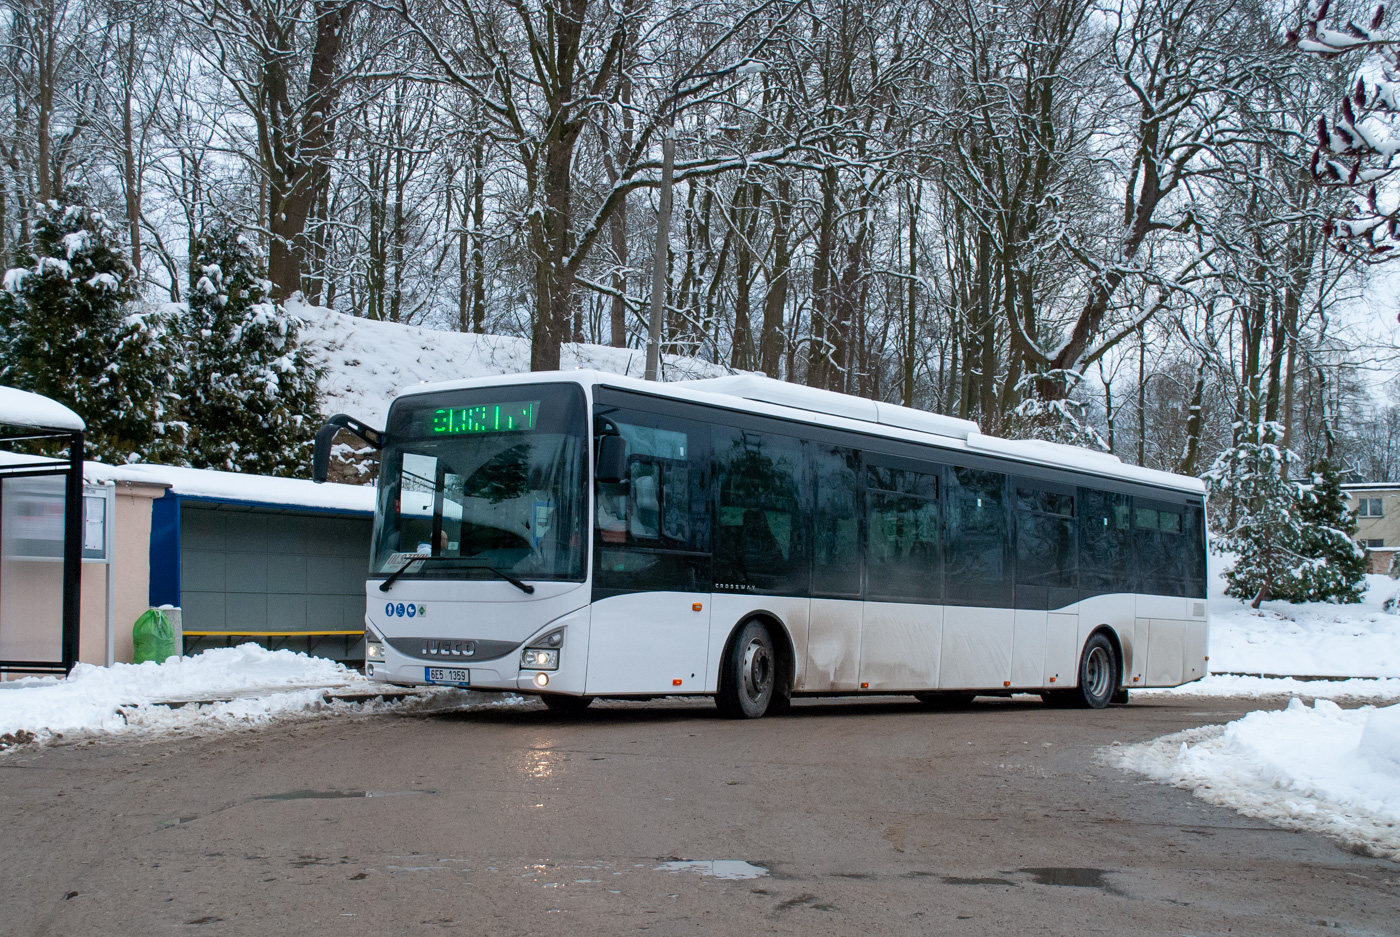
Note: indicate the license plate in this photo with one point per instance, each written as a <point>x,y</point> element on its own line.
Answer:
<point>448,675</point>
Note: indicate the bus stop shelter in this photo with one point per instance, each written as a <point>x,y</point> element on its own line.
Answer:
<point>41,534</point>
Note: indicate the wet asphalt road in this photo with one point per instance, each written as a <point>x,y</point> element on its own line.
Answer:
<point>874,817</point>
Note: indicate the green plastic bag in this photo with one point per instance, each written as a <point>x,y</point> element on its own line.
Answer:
<point>153,637</point>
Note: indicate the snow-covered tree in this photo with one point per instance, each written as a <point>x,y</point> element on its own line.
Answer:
<point>1338,572</point>
<point>1262,521</point>
<point>67,331</point>
<point>250,391</point>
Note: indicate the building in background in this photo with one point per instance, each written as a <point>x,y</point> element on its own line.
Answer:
<point>1377,509</point>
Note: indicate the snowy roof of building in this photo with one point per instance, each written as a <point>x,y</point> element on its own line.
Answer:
<point>242,488</point>
<point>22,408</point>
<point>778,398</point>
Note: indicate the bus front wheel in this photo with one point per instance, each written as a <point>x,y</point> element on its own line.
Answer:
<point>748,675</point>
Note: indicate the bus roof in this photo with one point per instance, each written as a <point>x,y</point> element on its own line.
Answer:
<point>757,394</point>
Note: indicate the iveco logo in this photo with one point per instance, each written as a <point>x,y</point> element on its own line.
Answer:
<point>404,611</point>
<point>449,648</point>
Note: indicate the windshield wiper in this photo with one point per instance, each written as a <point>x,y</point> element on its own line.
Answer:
<point>468,561</point>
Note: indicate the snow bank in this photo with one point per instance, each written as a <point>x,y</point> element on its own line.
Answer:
<point>367,361</point>
<point>1324,769</point>
<point>1307,639</point>
<point>263,685</point>
<point>1355,688</point>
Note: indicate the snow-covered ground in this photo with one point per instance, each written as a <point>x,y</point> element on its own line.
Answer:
<point>1321,768</point>
<point>367,361</point>
<point>221,688</point>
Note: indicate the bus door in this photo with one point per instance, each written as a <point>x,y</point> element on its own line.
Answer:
<point>835,612</point>
<point>979,624</point>
<point>1044,651</point>
<point>650,619</point>
<point>761,537</point>
<point>901,643</point>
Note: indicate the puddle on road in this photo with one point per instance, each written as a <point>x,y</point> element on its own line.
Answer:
<point>339,795</point>
<point>732,870</point>
<point>955,880</point>
<point>1072,877</point>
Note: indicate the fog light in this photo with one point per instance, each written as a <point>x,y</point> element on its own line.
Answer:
<point>541,679</point>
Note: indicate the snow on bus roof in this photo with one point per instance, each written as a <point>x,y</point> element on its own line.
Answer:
<point>847,412</point>
<point>22,408</point>
<point>241,487</point>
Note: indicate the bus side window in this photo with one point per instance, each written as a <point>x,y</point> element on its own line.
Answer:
<point>1106,561</point>
<point>1162,560</point>
<point>1194,548</point>
<point>976,571</point>
<point>649,533</point>
<point>1047,555</point>
<point>836,540</point>
<point>902,532</point>
<point>760,536</point>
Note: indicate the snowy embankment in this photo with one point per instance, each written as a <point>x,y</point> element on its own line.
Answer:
<point>367,362</point>
<point>221,688</point>
<point>1323,769</point>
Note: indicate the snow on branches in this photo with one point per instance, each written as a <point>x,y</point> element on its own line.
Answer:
<point>1359,148</point>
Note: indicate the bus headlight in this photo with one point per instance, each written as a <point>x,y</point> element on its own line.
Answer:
<point>538,658</point>
<point>374,645</point>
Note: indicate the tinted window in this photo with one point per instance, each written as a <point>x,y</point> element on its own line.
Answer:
<point>1105,543</point>
<point>651,529</point>
<point>902,533</point>
<point>1160,547</point>
<point>760,540</point>
<point>836,520</point>
<point>976,563</point>
<point>1194,546</point>
<point>1046,550</point>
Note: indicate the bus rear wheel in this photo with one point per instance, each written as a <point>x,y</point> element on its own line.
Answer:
<point>748,675</point>
<point>1098,675</point>
<point>565,705</point>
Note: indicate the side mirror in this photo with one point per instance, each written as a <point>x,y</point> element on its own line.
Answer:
<point>612,459</point>
<point>321,454</point>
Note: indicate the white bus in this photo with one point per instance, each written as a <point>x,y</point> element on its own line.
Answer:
<point>579,535</point>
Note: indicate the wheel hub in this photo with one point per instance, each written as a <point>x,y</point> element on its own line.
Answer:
<point>758,670</point>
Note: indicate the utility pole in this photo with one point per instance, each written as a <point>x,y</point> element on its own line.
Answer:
<point>663,243</point>
<point>663,214</point>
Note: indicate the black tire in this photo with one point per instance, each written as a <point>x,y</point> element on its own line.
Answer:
<point>748,675</point>
<point>565,705</point>
<point>945,700</point>
<point>1099,675</point>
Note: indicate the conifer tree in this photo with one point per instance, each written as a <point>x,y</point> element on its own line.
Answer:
<point>67,332</point>
<point>250,391</point>
<point>1264,527</point>
<point>1337,565</point>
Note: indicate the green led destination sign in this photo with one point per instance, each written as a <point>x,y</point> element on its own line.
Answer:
<point>487,418</point>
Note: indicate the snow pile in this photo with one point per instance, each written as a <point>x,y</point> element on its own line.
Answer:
<point>241,686</point>
<point>1324,769</point>
<point>1354,688</point>
<point>367,361</point>
<point>1307,639</point>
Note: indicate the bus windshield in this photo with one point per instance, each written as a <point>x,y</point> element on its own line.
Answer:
<point>484,479</point>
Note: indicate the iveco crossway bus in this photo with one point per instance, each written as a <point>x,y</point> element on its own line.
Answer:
<point>579,535</point>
